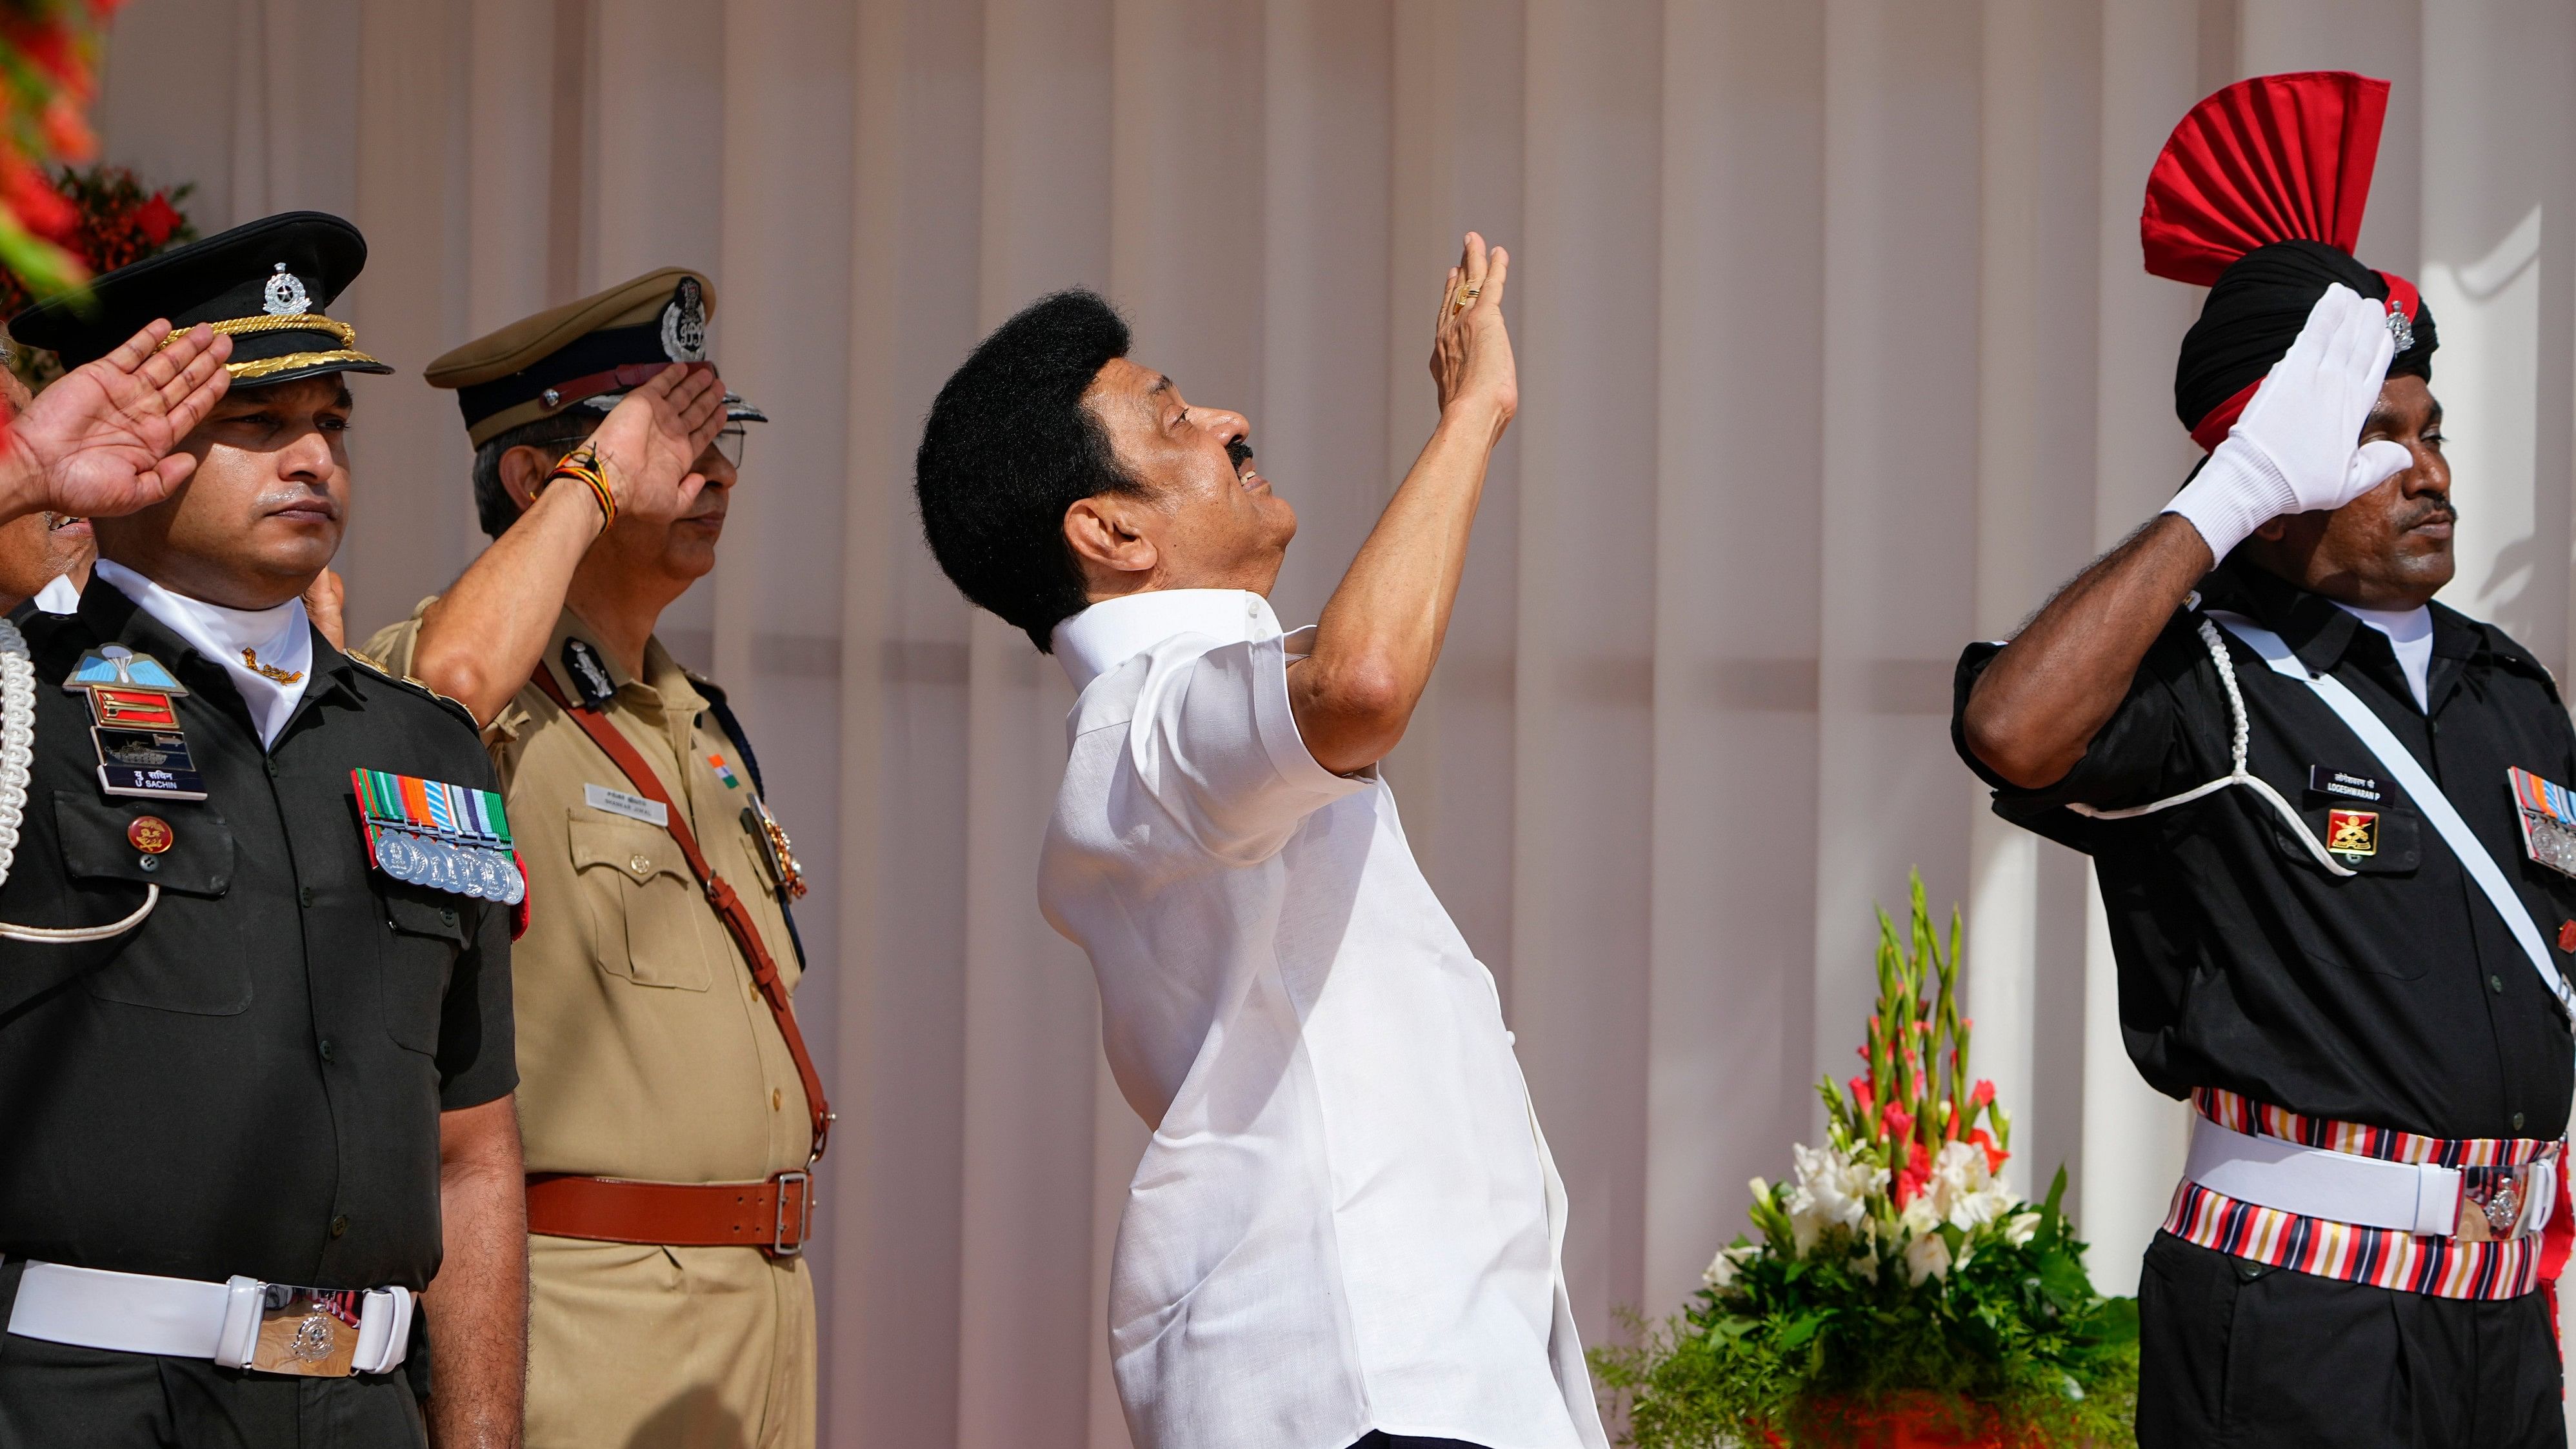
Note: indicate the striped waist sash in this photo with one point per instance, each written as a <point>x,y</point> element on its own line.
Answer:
<point>2441,1266</point>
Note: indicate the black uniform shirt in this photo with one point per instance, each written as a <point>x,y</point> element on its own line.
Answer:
<point>2396,997</point>
<point>249,1082</point>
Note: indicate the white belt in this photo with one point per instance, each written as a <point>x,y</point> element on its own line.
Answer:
<point>2344,1187</point>
<point>186,1318</point>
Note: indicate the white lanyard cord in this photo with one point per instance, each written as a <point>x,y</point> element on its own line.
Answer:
<point>2419,784</point>
<point>2237,773</point>
<point>17,766</point>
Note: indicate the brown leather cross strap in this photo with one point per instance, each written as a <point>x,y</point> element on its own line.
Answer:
<point>773,1216</point>
<point>728,906</point>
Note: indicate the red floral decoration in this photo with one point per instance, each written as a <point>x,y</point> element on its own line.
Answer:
<point>103,218</point>
<point>48,49</point>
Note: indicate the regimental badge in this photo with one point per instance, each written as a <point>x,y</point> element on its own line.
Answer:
<point>2352,832</point>
<point>117,665</point>
<point>150,834</point>
<point>2400,328</point>
<point>684,323</point>
<point>446,837</point>
<point>2548,816</point>
<point>776,851</point>
<point>142,752</point>
<point>589,676</point>
<point>250,661</point>
<point>284,296</point>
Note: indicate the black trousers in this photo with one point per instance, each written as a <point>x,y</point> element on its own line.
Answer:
<point>54,1396</point>
<point>2238,1353</point>
<point>1394,1441</point>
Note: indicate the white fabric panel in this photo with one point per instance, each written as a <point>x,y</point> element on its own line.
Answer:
<point>1835,351</point>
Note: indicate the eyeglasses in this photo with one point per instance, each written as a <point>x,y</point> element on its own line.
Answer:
<point>728,445</point>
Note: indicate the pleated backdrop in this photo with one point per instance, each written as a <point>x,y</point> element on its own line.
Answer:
<point>1836,353</point>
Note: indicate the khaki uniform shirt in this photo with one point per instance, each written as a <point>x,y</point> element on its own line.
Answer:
<point>645,1051</point>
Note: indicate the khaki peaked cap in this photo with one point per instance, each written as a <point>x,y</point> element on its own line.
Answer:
<point>570,356</point>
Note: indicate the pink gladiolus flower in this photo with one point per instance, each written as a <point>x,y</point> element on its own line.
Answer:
<point>1861,1095</point>
<point>1896,1120</point>
<point>1983,1096</point>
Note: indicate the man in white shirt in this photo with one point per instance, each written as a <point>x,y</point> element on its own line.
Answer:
<point>1346,1230</point>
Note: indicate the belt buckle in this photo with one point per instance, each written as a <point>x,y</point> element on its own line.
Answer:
<point>779,1244</point>
<point>2492,1202</point>
<point>311,1332</point>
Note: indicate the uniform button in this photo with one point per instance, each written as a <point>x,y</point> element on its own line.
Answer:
<point>304,894</point>
<point>641,865</point>
<point>147,863</point>
<point>2496,985</point>
<point>340,1226</point>
<point>326,1048</point>
<point>272,767</point>
<point>2517,1121</point>
<point>446,916</point>
<point>778,1099</point>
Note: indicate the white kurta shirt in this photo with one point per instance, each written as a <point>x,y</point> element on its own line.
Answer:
<point>1347,1219</point>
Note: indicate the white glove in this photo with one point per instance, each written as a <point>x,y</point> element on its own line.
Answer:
<point>2295,450</point>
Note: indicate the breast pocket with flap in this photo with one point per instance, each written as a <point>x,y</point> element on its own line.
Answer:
<point>204,974</point>
<point>648,922</point>
<point>426,931</point>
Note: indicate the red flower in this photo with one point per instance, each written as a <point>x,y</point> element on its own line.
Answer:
<point>1995,1156</point>
<point>66,132</point>
<point>157,218</point>
<point>1896,1121</point>
<point>1983,1096</point>
<point>1866,1099</point>
<point>1915,1176</point>
<point>38,206</point>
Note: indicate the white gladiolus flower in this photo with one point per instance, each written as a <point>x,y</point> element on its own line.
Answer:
<point>1832,1191</point>
<point>1865,1262</point>
<point>1928,1256</point>
<point>1723,1268</point>
<point>1964,1193</point>
<point>1919,1217</point>
<point>2021,1228</point>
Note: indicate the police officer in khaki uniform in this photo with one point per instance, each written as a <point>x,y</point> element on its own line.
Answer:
<point>669,1110</point>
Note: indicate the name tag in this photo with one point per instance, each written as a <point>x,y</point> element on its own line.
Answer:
<point>633,807</point>
<point>2343,784</point>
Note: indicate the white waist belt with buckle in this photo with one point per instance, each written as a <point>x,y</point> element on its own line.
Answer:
<point>2343,1187</point>
<point>243,1323</point>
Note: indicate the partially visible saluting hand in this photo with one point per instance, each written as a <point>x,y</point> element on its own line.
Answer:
<point>101,441</point>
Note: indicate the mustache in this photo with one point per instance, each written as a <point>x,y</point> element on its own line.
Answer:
<point>2431,510</point>
<point>289,497</point>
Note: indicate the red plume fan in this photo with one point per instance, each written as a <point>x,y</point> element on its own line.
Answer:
<point>2272,159</point>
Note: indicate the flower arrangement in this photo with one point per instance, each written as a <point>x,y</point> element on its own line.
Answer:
<point>114,222</point>
<point>47,51</point>
<point>1899,1293</point>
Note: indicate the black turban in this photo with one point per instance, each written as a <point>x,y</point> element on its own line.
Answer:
<point>2254,313</point>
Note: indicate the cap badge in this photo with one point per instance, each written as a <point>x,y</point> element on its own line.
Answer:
<point>285,295</point>
<point>2399,327</point>
<point>589,676</point>
<point>684,323</point>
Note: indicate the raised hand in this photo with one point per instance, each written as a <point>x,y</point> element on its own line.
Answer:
<point>654,437</point>
<point>1471,350</point>
<point>102,441</point>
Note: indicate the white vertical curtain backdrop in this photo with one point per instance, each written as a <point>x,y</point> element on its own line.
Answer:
<point>1836,352</point>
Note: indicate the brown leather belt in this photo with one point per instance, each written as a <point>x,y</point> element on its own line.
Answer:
<point>773,1216</point>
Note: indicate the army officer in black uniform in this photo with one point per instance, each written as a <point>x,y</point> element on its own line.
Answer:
<point>259,1169</point>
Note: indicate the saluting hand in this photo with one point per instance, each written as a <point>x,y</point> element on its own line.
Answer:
<point>102,441</point>
<point>654,437</point>
<point>1471,350</point>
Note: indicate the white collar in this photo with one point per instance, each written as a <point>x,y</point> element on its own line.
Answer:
<point>1113,631</point>
<point>60,596</point>
<point>281,636</point>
